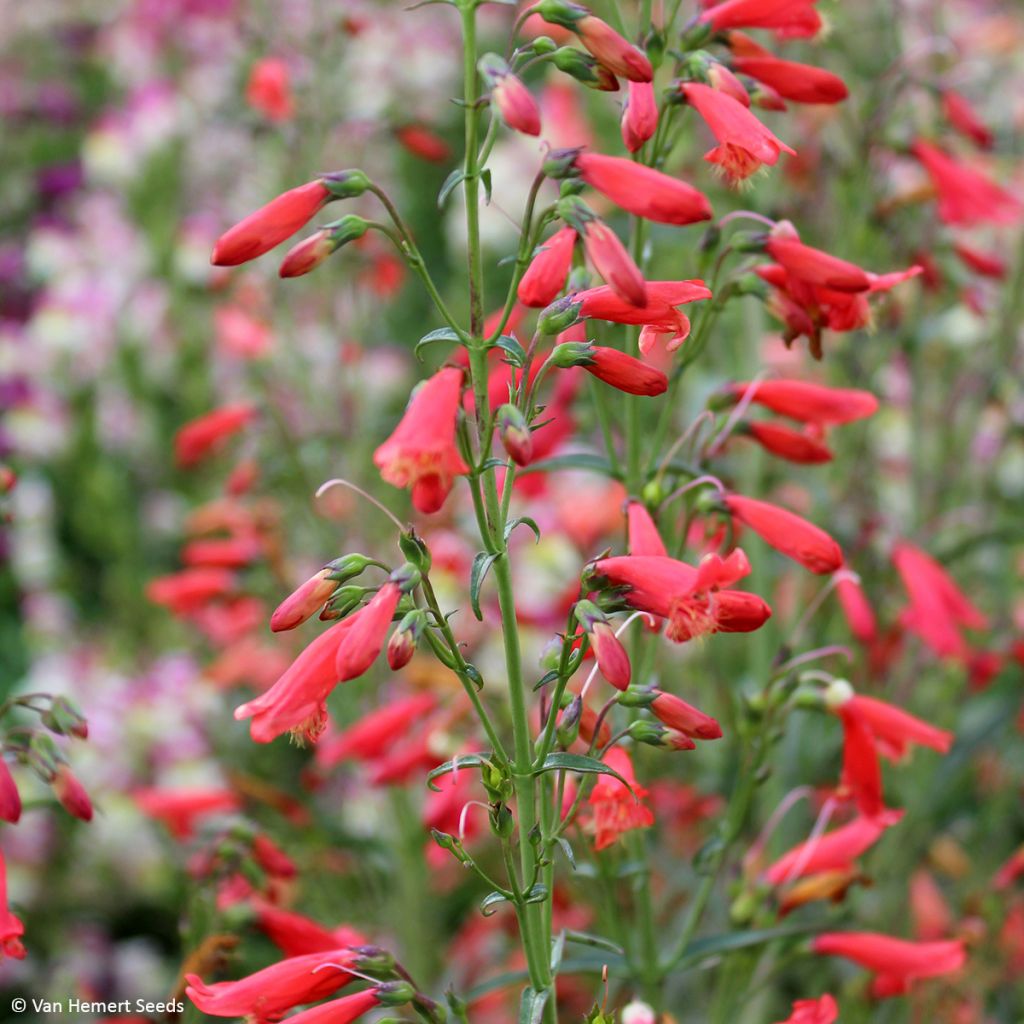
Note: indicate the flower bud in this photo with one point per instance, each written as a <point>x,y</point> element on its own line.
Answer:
<point>560,163</point>
<point>560,12</point>
<point>312,251</point>
<point>395,993</point>
<point>515,434</point>
<point>304,601</point>
<point>655,735</point>
<point>348,567</point>
<point>638,697</point>
<point>10,799</point>
<point>374,959</point>
<point>344,601</point>
<point>415,550</point>
<point>502,822</point>
<point>71,794</point>
<point>838,693</point>
<point>64,718</point>
<point>559,316</point>
<point>569,722</point>
<point>585,69</point>
<point>551,655</point>
<point>543,45</point>
<point>404,639</point>
<point>571,353</point>
<point>407,576</point>
<point>346,184</point>
<point>43,756</point>
<point>637,1012</point>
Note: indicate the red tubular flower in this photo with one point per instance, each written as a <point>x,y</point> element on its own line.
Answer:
<point>11,928</point>
<point>624,372</point>
<point>787,532</point>
<point>966,196</point>
<point>895,729</point>
<point>988,264</point>
<point>816,267</point>
<point>938,610</point>
<point>617,54</point>
<point>612,659</point>
<point>813,1011</point>
<point>613,263</point>
<point>270,225</point>
<point>421,452</point>
<point>722,79</point>
<point>267,994</point>
<point>373,733</point>
<point>835,851</point>
<point>800,83</point>
<point>862,773</point>
<point>359,648</point>
<point>644,538</point>
<point>514,101</point>
<point>269,89</point>
<point>789,18</point>
<point>548,270</point>
<point>642,190</point>
<point>180,809</point>
<point>896,961</point>
<point>304,601</point>
<point>962,117</point>
<point>793,445</point>
<point>744,143</point>
<point>296,701</point>
<point>297,935</point>
<point>222,552</point>
<point>617,808</point>
<point>419,140</point>
<point>10,799</point>
<point>189,590</point>
<point>932,918</point>
<point>860,616</point>
<point>807,402</point>
<point>690,600</point>
<point>340,1011</point>
<point>685,718</point>
<point>201,436</point>
<point>71,794</point>
<point>639,116</point>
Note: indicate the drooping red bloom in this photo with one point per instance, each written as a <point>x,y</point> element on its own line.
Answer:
<point>692,600</point>
<point>625,372</point>
<point>815,267</point>
<point>805,447</point>
<point>269,91</point>
<point>860,616</point>
<point>421,452</point>
<point>988,264</point>
<point>787,532</point>
<point>613,262</point>
<point>961,115</point>
<point>642,190</point>
<point>180,809</point>
<point>616,53</point>
<point>966,196</point>
<point>674,712</point>
<point>894,729</point>
<point>203,435</point>
<point>421,141</point>
<point>616,810</point>
<point>639,116</point>
<point>862,774</point>
<point>269,993</point>
<point>644,538</point>
<point>938,610</point>
<point>362,643</point>
<point>801,83</point>
<point>304,601</point>
<point>11,928</point>
<point>744,144</point>
<point>813,1011</point>
<point>612,659</point>
<point>270,225</point>
<point>807,402</point>
<point>896,962</point>
<point>71,793</point>
<point>297,935</point>
<point>10,799</point>
<point>929,909</point>
<point>515,103</point>
<point>835,851</point>
<point>222,552</point>
<point>189,590</point>
<point>548,270</point>
<point>789,18</point>
<point>340,1011</point>
<point>374,732</point>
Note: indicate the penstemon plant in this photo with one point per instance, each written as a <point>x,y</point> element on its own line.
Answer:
<point>552,753</point>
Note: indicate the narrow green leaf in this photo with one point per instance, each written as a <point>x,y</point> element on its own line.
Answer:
<point>456,764</point>
<point>514,352</point>
<point>483,561</point>
<point>450,182</point>
<point>441,334</point>
<point>522,521</point>
<point>557,949</point>
<point>575,460</point>
<point>491,902</point>
<point>579,763</point>
<point>716,945</point>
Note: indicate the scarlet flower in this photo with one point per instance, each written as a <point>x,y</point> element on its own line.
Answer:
<point>203,435</point>
<point>835,851</point>
<point>613,262</point>
<point>624,372</point>
<point>800,83</point>
<point>304,601</point>
<point>421,452</point>
<point>789,18</point>
<point>548,270</point>
<point>787,532</point>
<point>938,610</point>
<point>961,115</point>
<point>860,616</point>
<point>897,962</point>
<point>419,140</point>
<point>186,591</point>
<point>10,799</point>
<point>639,115</point>
<point>370,735</point>
<point>516,104</point>
<point>813,1011</point>
<point>862,774</point>
<point>297,935</point>
<point>270,225</point>
<point>690,599</point>
<point>179,809</point>
<point>642,190</point>
<point>269,993</point>
<point>617,54</point>
<point>617,808</point>
<point>362,643</point>
<point>222,552</point>
<point>966,196</point>
<point>340,1011</point>
<point>723,80</point>
<point>612,659</point>
<point>988,264</point>
<point>932,918</point>
<point>71,794</point>
<point>744,143</point>
<point>269,89</point>
<point>807,402</point>
<point>814,266</point>
<point>644,538</point>
<point>685,718</point>
<point>805,447</point>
